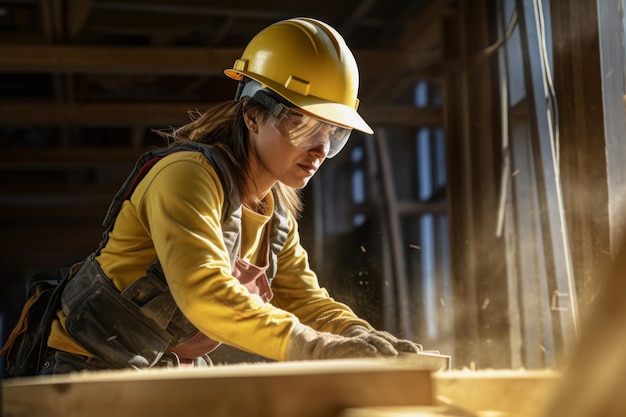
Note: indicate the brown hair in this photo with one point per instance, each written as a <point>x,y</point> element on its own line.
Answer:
<point>223,127</point>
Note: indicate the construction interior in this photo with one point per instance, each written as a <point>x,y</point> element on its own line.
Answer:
<point>483,218</point>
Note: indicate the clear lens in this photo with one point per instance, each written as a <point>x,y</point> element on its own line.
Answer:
<point>305,132</point>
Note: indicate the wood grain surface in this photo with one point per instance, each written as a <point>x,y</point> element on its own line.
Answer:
<point>303,389</point>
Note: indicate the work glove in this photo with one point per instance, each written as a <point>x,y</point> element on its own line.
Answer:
<point>308,344</point>
<point>386,343</point>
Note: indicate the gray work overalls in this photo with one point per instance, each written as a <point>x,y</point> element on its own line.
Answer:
<point>136,327</point>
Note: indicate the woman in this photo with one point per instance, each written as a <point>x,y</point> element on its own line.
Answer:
<point>202,246</point>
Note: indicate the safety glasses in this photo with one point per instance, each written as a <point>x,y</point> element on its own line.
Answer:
<point>305,132</point>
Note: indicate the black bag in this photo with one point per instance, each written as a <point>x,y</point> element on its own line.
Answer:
<point>27,343</point>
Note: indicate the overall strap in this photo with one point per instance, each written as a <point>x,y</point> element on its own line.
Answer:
<point>278,237</point>
<point>231,210</point>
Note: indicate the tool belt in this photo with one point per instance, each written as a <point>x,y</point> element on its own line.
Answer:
<point>132,328</point>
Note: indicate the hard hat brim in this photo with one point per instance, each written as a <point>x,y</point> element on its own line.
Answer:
<point>335,113</point>
<point>338,114</point>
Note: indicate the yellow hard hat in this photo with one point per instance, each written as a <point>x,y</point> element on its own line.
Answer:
<point>308,63</point>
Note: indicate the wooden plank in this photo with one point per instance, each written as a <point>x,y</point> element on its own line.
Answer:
<point>173,60</point>
<point>528,279</point>
<point>115,60</point>
<point>304,389</point>
<point>511,393</point>
<point>463,258</point>
<point>482,393</point>
<point>165,114</point>
<point>610,13</point>
<point>484,165</point>
<point>554,229</point>
<point>584,158</point>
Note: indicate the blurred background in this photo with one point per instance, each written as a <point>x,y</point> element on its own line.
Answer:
<point>477,218</point>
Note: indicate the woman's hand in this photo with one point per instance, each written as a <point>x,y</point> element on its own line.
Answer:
<point>386,343</point>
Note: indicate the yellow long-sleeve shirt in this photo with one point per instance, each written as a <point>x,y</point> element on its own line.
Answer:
<point>174,214</point>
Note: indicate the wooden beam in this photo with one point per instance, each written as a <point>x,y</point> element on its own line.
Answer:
<point>554,239</point>
<point>460,178</point>
<point>244,9</point>
<point>96,114</point>
<point>172,60</point>
<point>76,14</point>
<point>52,20</point>
<point>425,31</point>
<point>116,60</point>
<point>584,146</point>
<point>165,114</point>
<point>511,393</point>
<point>272,389</point>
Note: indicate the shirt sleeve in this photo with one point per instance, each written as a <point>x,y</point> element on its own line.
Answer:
<point>297,290</point>
<point>181,208</point>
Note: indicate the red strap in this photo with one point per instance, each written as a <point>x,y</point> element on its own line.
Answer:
<point>144,170</point>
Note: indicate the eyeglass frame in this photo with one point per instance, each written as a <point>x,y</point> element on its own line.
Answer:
<point>279,109</point>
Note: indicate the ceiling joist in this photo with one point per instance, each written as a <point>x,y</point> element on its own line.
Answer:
<point>172,60</point>
<point>159,115</point>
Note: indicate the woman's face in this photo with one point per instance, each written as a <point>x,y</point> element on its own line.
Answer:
<point>274,158</point>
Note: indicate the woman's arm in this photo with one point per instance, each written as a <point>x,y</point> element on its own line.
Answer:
<point>297,290</point>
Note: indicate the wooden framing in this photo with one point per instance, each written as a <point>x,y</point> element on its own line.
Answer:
<point>476,253</point>
<point>304,389</point>
<point>577,182</point>
<point>169,113</point>
<point>556,259</point>
<point>582,146</point>
<point>173,60</point>
<point>276,390</point>
<point>612,36</point>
